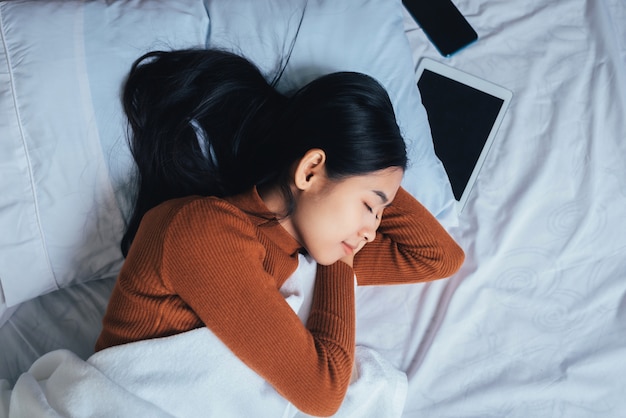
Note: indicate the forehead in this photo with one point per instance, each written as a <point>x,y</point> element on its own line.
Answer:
<point>379,182</point>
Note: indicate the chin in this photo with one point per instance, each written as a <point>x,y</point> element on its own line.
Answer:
<point>324,261</point>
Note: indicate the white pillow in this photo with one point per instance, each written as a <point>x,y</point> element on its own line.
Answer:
<point>61,67</point>
<point>341,35</point>
<point>63,154</point>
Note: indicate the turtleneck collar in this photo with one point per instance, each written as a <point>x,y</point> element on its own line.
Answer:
<point>251,203</point>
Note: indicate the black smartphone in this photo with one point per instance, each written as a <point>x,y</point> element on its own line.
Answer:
<point>443,24</point>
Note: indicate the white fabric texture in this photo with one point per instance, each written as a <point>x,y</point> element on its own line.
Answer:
<point>533,324</point>
<point>178,377</point>
<point>60,220</point>
<point>187,373</point>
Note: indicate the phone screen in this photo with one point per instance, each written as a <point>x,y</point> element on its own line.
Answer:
<point>442,23</point>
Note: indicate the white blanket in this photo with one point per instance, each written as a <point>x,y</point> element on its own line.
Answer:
<point>185,375</point>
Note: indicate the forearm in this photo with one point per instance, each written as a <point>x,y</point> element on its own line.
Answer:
<point>332,321</point>
<point>310,366</point>
<point>410,246</point>
<point>241,303</point>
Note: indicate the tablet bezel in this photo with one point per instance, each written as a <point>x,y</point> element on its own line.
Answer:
<point>479,84</point>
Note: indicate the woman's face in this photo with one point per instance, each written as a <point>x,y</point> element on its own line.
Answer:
<point>333,219</point>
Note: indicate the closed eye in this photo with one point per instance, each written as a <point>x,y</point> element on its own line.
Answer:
<point>370,209</point>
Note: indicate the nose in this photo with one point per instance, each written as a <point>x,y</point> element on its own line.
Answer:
<point>368,235</point>
<point>368,232</point>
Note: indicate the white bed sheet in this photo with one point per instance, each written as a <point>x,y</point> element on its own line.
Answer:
<point>534,323</point>
<point>70,319</point>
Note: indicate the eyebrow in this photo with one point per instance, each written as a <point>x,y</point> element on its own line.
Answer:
<point>382,196</point>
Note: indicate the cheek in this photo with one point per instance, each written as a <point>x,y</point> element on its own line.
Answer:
<point>335,219</point>
<point>319,243</point>
<point>328,220</point>
<point>321,230</point>
<point>339,225</point>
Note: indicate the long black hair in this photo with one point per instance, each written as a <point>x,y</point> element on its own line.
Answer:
<point>207,122</point>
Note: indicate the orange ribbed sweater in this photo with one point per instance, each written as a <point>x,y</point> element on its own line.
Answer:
<point>204,261</point>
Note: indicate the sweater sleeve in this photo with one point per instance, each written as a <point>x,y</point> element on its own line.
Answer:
<point>213,260</point>
<point>410,246</point>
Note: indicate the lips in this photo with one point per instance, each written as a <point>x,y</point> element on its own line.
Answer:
<point>348,248</point>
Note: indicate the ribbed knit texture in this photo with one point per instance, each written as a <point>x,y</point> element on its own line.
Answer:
<point>220,263</point>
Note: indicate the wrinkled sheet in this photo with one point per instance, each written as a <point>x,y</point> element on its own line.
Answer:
<point>180,376</point>
<point>186,374</point>
<point>534,323</point>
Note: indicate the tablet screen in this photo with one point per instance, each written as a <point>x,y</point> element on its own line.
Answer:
<point>463,119</point>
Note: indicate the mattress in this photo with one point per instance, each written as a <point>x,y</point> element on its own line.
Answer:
<point>533,323</point>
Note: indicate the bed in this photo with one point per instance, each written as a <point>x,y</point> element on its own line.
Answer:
<point>533,325</point>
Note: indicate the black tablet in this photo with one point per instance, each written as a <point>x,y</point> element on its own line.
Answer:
<point>464,113</point>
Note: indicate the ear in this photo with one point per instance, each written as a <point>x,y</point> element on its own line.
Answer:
<point>310,169</point>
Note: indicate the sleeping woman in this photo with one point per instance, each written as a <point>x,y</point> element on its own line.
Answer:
<point>235,180</point>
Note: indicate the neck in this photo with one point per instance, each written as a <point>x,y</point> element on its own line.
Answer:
<point>274,200</point>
